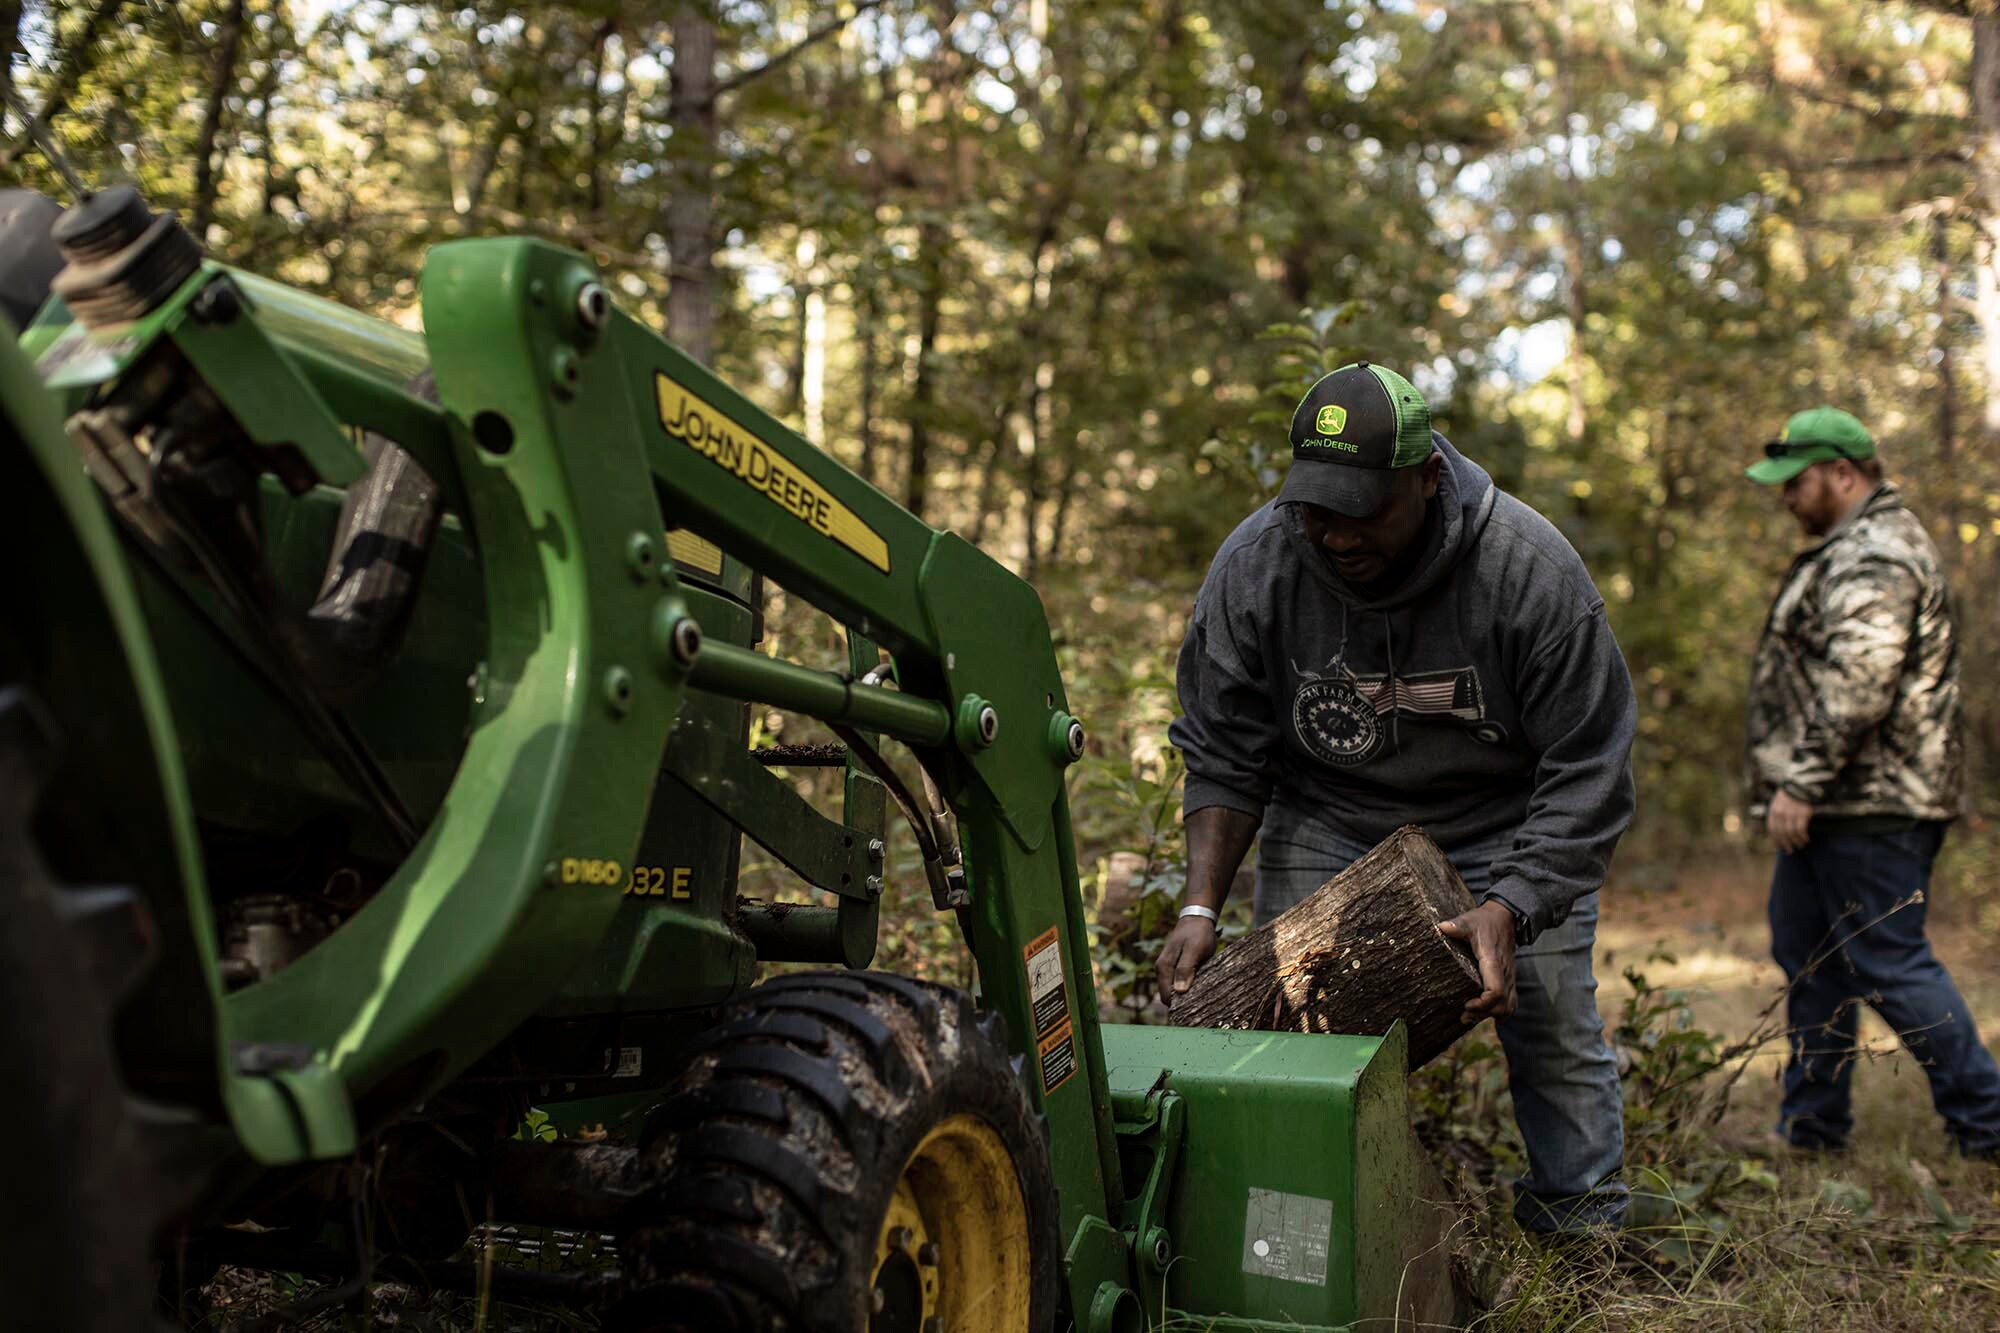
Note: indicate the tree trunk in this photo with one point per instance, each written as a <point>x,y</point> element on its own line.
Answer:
<point>10,42</point>
<point>77,59</point>
<point>1356,956</point>
<point>1947,413</point>
<point>530,150</point>
<point>869,318</point>
<point>923,393</point>
<point>1986,172</point>
<point>1576,251</point>
<point>265,225</point>
<point>690,217</point>
<point>599,49</point>
<point>1065,495</point>
<point>992,455</point>
<point>228,43</point>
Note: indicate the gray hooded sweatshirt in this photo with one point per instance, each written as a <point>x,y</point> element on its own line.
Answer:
<point>1483,697</point>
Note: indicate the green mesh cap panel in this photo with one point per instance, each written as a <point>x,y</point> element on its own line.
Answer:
<point>1413,417</point>
<point>1362,416</point>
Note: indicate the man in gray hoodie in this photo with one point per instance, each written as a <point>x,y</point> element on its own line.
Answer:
<point>1394,641</point>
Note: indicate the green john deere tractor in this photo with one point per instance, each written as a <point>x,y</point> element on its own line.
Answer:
<point>374,762</point>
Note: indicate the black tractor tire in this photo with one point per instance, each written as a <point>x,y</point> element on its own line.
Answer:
<point>846,1151</point>
<point>77,1202</point>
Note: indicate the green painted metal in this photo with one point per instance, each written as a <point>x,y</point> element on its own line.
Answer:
<point>525,864</point>
<point>81,636</point>
<point>958,624</point>
<point>268,397</point>
<point>671,944</point>
<point>712,766</point>
<point>1300,1198</point>
<point>70,356</point>
<point>276,405</point>
<point>249,764</point>
<point>582,788</point>
<point>300,321</point>
<point>743,674</point>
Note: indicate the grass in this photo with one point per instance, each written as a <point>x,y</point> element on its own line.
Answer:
<point>1731,1230</point>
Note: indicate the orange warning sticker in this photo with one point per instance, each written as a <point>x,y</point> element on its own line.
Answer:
<point>1058,1057</point>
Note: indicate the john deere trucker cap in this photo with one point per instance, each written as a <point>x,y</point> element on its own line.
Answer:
<point>1816,435</point>
<point>1350,433</point>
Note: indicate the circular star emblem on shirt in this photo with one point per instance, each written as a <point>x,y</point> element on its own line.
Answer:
<point>1335,723</point>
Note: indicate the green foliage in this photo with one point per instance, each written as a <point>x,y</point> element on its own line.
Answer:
<point>1127,951</point>
<point>535,1128</point>
<point>1613,245</point>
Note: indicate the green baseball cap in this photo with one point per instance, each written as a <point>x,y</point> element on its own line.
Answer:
<point>1350,433</point>
<point>1816,435</point>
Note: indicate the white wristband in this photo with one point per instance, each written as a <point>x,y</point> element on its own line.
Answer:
<point>1195,909</point>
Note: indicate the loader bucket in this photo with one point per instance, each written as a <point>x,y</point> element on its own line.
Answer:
<point>1283,1170</point>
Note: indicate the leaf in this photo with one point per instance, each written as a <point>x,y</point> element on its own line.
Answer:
<point>536,1127</point>
<point>1928,1187</point>
<point>1846,1196</point>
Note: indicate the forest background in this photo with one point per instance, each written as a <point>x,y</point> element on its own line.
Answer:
<point>1052,272</point>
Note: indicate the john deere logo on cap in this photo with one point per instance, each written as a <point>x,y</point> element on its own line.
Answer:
<point>1332,419</point>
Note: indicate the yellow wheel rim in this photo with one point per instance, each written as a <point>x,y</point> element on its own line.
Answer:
<point>952,1254</point>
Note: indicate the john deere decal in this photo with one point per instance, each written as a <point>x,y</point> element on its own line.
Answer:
<point>711,433</point>
<point>1332,419</point>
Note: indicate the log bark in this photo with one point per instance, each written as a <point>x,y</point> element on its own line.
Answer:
<point>1361,952</point>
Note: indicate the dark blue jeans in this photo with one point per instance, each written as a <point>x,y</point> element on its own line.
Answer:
<point>1837,931</point>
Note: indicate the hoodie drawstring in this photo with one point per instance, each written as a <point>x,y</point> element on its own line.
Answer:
<point>1395,703</point>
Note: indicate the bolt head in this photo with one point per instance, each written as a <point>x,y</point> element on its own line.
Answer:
<point>928,1254</point>
<point>989,724</point>
<point>564,371</point>
<point>639,555</point>
<point>593,306</point>
<point>618,690</point>
<point>1074,740</point>
<point>216,303</point>
<point>686,640</point>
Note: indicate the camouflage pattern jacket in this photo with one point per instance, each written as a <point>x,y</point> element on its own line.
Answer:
<point>1854,703</point>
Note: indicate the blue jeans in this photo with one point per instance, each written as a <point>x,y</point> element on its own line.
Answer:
<point>1842,940</point>
<point>1563,1076</point>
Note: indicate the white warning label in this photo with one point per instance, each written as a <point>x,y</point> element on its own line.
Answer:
<point>1047,995</point>
<point>1287,1236</point>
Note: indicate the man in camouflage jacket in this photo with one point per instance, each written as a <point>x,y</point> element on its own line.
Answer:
<point>1856,766</point>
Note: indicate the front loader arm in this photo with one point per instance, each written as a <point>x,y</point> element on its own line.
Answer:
<point>565,437</point>
<point>968,636</point>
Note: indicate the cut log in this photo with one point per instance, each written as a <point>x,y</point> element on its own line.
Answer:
<point>1363,951</point>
